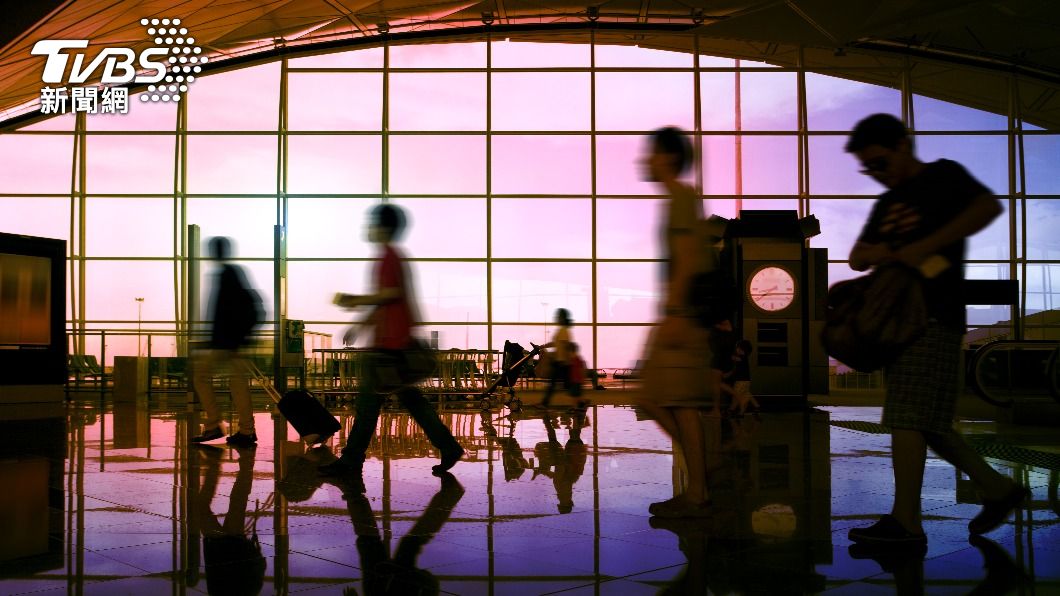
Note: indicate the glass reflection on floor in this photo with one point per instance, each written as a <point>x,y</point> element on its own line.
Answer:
<point>117,501</point>
<point>32,451</point>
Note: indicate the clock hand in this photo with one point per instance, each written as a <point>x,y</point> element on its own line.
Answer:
<point>769,293</point>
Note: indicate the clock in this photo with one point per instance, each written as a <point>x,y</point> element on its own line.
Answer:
<point>771,288</point>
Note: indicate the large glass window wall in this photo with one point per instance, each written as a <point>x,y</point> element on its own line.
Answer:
<point>520,166</point>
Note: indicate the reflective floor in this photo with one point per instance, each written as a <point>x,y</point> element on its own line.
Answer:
<point>115,501</point>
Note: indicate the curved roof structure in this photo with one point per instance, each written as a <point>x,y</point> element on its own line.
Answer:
<point>996,55</point>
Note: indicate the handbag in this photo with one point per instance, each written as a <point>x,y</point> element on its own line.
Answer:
<point>713,295</point>
<point>870,320</point>
<point>419,362</point>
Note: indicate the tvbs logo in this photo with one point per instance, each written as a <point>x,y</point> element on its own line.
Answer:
<point>174,60</point>
<point>119,64</point>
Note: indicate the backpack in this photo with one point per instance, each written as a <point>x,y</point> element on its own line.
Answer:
<point>870,320</point>
<point>248,311</point>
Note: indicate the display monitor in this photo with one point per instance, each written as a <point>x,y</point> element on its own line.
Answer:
<point>25,300</point>
<point>32,313</point>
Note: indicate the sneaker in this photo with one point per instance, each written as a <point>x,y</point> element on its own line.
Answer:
<point>210,434</point>
<point>654,507</point>
<point>449,460</point>
<point>887,531</point>
<point>890,559</point>
<point>680,508</point>
<point>995,512</point>
<point>241,439</point>
<point>685,528</point>
<point>340,467</point>
<point>449,493</point>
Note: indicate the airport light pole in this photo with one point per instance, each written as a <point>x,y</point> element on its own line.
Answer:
<point>139,326</point>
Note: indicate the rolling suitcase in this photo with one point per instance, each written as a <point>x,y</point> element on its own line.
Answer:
<point>306,414</point>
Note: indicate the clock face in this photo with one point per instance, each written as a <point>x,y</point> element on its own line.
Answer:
<point>771,289</point>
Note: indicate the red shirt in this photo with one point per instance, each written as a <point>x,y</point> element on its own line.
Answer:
<point>393,327</point>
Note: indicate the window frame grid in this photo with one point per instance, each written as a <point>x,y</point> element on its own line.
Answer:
<point>1015,196</point>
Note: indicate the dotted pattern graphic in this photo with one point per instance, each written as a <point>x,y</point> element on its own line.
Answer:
<point>185,59</point>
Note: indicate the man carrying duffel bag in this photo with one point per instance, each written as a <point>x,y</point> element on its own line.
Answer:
<point>922,222</point>
<point>397,360</point>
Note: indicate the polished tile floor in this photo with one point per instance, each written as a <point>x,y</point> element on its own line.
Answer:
<point>115,501</point>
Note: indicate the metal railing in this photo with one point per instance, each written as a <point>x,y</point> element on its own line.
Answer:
<point>167,370</point>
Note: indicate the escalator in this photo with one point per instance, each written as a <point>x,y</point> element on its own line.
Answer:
<point>1004,370</point>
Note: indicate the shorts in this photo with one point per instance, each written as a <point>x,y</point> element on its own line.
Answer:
<point>924,382</point>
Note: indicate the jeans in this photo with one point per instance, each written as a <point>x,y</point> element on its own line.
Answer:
<point>209,362</point>
<point>380,366</point>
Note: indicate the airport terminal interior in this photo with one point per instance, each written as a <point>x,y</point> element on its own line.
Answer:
<point>517,139</point>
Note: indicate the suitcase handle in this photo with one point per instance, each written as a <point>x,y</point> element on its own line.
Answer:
<point>310,439</point>
<point>263,381</point>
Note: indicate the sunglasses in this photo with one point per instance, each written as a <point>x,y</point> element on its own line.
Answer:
<point>877,165</point>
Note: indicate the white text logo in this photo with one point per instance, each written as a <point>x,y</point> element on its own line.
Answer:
<point>118,63</point>
<point>174,61</point>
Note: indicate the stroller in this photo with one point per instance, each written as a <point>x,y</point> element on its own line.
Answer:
<point>515,362</point>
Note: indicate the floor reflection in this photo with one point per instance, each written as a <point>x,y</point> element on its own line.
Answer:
<point>399,574</point>
<point>231,550</point>
<point>32,450</point>
<point>116,501</point>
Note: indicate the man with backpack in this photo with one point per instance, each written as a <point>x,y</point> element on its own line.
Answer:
<point>235,310</point>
